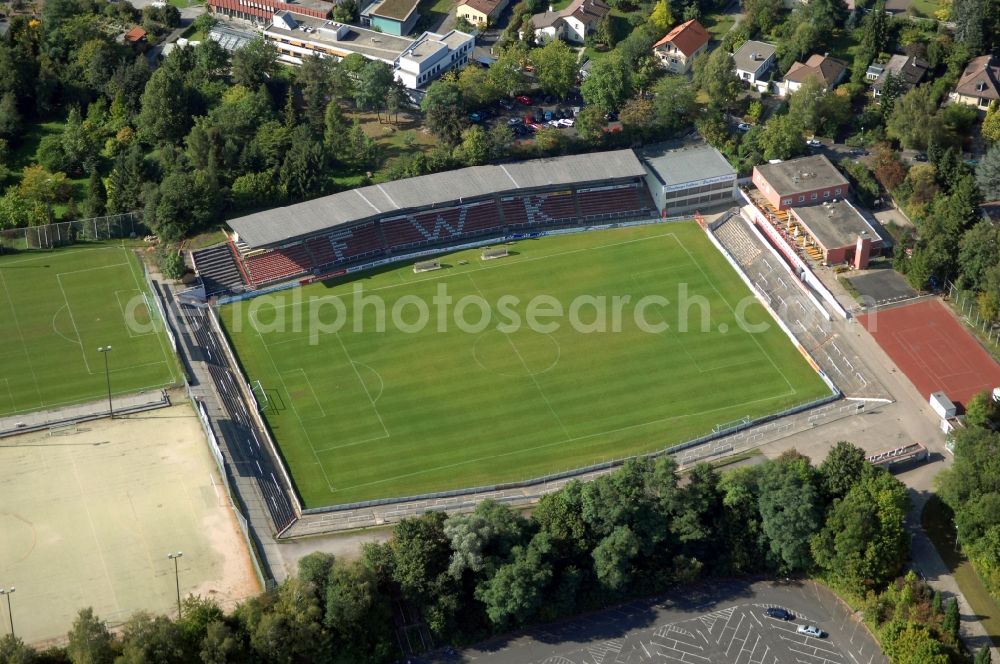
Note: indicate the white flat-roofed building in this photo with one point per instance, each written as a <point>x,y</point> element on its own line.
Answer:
<point>414,62</point>
<point>684,177</point>
<point>432,55</point>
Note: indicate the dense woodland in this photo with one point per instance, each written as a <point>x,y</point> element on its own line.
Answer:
<point>643,529</point>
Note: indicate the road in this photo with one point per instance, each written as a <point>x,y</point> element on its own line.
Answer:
<point>719,622</point>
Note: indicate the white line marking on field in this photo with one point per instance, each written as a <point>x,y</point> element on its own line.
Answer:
<point>73,320</point>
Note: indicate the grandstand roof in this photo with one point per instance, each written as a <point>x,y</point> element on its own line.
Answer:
<point>675,164</point>
<point>285,224</point>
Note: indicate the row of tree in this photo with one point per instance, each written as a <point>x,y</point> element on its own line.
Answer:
<point>642,529</point>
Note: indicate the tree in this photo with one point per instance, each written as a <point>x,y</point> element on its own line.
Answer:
<point>516,592</point>
<point>125,182</point>
<point>637,114</point>
<point>474,149</point>
<point>254,63</point>
<point>222,644</point>
<point>914,118</point>
<point>864,542</point>
<point>781,138</point>
<point>977,254</point>
<point>889,170</point>
<point>991,124</point>
<point>613,558</point>
<point>988,174</point>
<point>476,87</point>
<point>345,12</point>
<point>481,541</point>
<point>674,104</point>
<point>303,170</point>
<point>146,638</point>
<point>661,16</point>
<point>90,642</point>
<point>443,107</point>
<point>373,85</point>
<point>714,75</point>
<point>507,74</point>
<point>982,656</point>
<point>609,83</point>
<point>952,619</point>
<point>555,68</point>
<point>789,510</point>
<point>165,117</point>
<point>40,185</point>
<point>97,196</point>
<point>590,124</point>
<point>14,651</point>
<point>968,17</point>
<point>844,466</point>
<point>10,117</point>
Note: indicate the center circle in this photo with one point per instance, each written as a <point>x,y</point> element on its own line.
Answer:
<point>518,354</point>
<point>18,539</point>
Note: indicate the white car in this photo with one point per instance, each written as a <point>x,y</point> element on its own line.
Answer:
<point>813,143</point>
<point>743,126</point>
<point>810,630</point>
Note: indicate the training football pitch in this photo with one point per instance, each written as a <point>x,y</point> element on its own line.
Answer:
<point>57,308</point>
<point>384,408</point>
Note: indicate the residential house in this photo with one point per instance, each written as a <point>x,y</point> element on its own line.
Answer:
<point>480,13</point>
<point>678,49</point>
<point>898,7</point>
<point>573,23</point>
<point>393,17</point>
<point>829,71</point>
<point>754,61</point>
<point>979,85</point>
<point>136,38</point>
<point>906,70</point>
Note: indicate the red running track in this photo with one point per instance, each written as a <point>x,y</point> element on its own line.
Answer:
<point>934,349</point>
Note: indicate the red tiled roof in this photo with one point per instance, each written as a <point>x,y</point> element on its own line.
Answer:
<point>687,37</point>
<point>135,34</point>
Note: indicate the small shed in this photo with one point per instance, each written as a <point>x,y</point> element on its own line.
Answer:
<point>942,405</point>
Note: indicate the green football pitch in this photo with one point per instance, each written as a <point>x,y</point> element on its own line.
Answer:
<point>385,408</point>
<point>57,308</point>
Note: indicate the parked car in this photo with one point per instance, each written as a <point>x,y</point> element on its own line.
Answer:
<point>475,117</point>
<point>813,143</point>
<point>920,156</point>
<point>810,630</point>
<point>524,100</point>
<point>548,116</point>
<point>743,126</point>
<point>779,613</point>
<point>506,104</point>
<point>514,122</point>
<point>611,117</point>
<point>859,152</point>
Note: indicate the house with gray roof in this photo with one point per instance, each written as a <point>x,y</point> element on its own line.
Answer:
<point>754,61</point>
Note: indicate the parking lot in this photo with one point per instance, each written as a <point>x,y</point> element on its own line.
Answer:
<point>714,623</point>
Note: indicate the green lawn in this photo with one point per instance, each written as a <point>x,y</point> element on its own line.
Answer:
<point>56,308</point>
<point>926,8</point>
<point>718,25</point>
<point>363,413</point>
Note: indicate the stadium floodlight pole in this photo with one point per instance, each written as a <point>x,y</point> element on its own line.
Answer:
<point>104,350</point>
<point>8,593</point>
<point>177,578</point>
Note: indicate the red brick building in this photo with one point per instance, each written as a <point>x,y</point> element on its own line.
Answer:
<point>802,181</point>
<point>264,10</point>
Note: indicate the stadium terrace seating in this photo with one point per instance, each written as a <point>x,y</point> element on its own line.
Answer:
<point>554,207</point>
<point>401,232</point>
<point>610,202</point>
<point>358,241</point>
<point>736,239</point>
<point>439,225</point>
<point>278,264</point>
<point>482,217</point>
<point>218,269</point>
<point>514,212</point>
<point>321,250</point>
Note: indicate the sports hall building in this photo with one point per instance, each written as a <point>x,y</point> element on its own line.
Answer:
<point>684,177</point>
<point>326,235</point>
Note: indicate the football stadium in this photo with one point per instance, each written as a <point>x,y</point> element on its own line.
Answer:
<point>491,325</point>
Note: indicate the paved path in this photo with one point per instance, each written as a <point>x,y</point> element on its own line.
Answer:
<point>122,404</point>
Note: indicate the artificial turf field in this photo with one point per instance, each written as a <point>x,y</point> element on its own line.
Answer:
<point>370,414</point>
<point>57,308</point>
